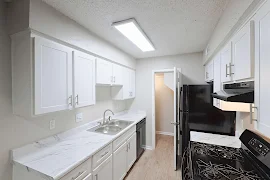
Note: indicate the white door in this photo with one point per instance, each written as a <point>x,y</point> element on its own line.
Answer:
<point>262,67</point>
<point>241,54</point>
<point>132,148</point>
<point>120,162</point>
<point>176,123</point>
<point>132,83</point>
<point>53,76</point>
<point>104,72</point>
<point>225,57</point>
<point>217,78</point>
<point>84,79</point>
<point>104,170</point>
<point>117,74</point>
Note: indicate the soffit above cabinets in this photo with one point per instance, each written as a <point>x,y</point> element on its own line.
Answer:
<point>174,27</point>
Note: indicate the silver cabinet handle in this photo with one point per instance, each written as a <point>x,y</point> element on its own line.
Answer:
<point>127,148</point>
<point>77,99</point>
<point>104,154</point>
<point>79,174</point>
<point>70,101</point>
<point>114,79</point>
<point>227,71</point>
<point>251,113</point>
<point>96,176</point>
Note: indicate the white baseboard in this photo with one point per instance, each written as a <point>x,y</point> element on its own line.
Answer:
<point>165,133</point>
<point>148,147</point>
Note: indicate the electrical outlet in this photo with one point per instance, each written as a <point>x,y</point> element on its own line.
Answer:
<point>79,117</point>
<point>52,124</point>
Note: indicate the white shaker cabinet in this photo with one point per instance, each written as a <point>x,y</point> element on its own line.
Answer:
<point>217,78</point>
<point>117,74</point>
<point>131,152</point>
<point>209,72</point>
<point>104,72</point>
<point>262,67</point>
<point>84,79</point>
<point>226,65</point>
<point>120,162</point>
<point>104,170</point>
<point>242,54</point>
<point>53,76</point>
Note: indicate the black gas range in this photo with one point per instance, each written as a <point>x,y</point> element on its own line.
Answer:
<point>250,162</point>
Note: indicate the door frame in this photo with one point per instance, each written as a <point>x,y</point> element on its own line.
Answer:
<point>153,103</point>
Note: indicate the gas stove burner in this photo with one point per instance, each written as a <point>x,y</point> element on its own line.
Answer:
<point>213,171</point>
<point>217,151</point>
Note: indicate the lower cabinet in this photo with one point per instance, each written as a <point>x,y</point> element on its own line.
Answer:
<point>104,170</point>
<point>124,157</point>
<point>120,162</point>
<point>131,152</point>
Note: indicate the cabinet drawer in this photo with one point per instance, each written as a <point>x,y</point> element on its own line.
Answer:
<point>89,177</point>
<point>120,140</point>
<point>103,154</point>
<point>81,172</point>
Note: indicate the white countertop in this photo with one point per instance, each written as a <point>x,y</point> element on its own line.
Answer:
<point>216,139</point>
<point>55,156</point>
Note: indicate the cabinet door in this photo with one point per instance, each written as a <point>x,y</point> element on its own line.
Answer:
<point>262,66</point>
<point>104,72</point>
<point>241,54</point>
<point>126,83</point>
<point>225,57</point>
<point>209,72</point>
<point>104,170</point>
<point>217,73</point>
<point>84,79</point>
<point>120,162</point>
<point>132,83</point>
<point>132,148</point>
<point>53,76</point>
<point>117,74</point>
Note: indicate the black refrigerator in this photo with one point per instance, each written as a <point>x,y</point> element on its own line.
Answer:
<point>197,113</point>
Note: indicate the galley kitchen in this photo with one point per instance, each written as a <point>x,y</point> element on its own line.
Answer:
<point>134,90</point>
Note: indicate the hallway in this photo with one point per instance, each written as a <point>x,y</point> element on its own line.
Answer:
<point>157,164</point>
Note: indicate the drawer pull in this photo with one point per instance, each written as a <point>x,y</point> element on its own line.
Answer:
<point>104,154</point>
<point>96,177</point>
<point>79,174</point>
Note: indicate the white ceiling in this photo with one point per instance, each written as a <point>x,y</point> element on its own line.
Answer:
<point>174,26</point>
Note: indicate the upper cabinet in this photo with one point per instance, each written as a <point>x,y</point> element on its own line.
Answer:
<point>128,89</point>
<point>225,60</point>
<point>84,79</point>
<point>209,72</point>
<point>108,73</point>
<point>243,54</point>
<point>52,76</point>
<point>46,77</point>
<point>104,72</point>
<point>262,67</point>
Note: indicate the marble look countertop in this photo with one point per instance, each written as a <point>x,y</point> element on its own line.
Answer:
<point>54,157</point>
<point>216,139</point>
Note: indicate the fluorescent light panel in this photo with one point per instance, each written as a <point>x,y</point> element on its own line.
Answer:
<point>135,34</point>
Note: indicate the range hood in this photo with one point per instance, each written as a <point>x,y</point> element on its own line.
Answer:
<point>237,92</point>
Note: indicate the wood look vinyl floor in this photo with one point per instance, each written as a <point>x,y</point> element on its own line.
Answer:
<point>156,164</point>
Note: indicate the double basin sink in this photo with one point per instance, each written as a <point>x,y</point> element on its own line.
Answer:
<point>111,128</point>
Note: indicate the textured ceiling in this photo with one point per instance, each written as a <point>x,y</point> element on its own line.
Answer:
<point>174,26</point>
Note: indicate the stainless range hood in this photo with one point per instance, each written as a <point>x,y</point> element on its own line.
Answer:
<point>237,92</point>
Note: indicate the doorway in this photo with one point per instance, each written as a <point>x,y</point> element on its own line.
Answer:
<point>166,83</point>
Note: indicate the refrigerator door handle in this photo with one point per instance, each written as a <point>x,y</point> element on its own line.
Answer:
<point>176,124</point>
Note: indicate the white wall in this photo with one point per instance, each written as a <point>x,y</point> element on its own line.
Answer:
<point>16,132</point>
<point>193,73</point>
<point>234,14</point>
<point>164,104</point>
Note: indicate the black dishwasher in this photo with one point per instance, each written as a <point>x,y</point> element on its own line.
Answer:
<point>141,137</point>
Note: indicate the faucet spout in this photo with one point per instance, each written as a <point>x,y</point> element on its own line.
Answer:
<point>104,114</point>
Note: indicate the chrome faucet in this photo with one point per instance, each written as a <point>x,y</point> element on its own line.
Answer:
<point>104,120</point>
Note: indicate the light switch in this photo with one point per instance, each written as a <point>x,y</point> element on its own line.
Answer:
<point>79,117</point>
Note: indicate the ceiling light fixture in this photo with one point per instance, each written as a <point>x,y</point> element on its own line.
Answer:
<point>131,29</point>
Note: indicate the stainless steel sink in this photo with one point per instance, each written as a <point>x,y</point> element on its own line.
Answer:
<point>111,128</point>
<point>120,123</point>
